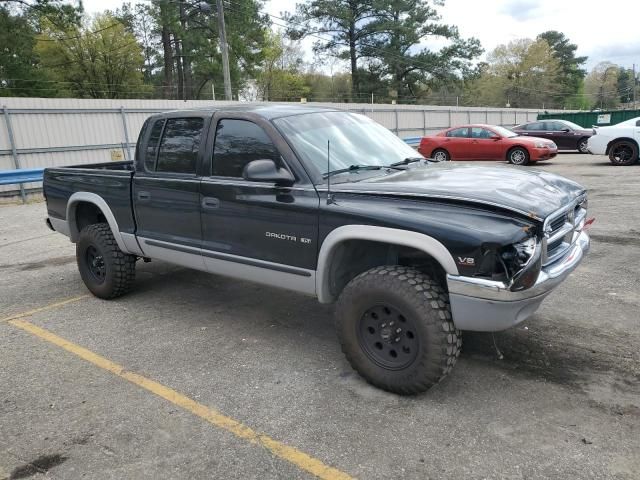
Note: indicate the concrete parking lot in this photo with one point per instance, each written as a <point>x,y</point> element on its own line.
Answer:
<point>198,376</point>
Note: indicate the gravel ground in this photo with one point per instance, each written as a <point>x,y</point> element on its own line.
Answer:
<point>564,402</point>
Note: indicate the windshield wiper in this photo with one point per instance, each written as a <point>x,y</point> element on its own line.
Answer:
<point>407,161</point>
<point>355,168</point>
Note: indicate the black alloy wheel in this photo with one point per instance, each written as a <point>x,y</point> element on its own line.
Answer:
<point>388,337</point>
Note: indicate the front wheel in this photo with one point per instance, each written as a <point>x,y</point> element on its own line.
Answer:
<point>623,153</point>
<point>394,324</point>
<point>105,269</point>
<point>518,156</point>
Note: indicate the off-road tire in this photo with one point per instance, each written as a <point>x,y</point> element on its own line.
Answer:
<point>629,149</point>
<point>424,303</point>
<point>442,153</point>
<point>119,269</point>
<point>518,156</point>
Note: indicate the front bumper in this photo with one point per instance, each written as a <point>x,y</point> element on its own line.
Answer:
<point>489,306</point>
<point>597,144</point>
<point>538,154</point>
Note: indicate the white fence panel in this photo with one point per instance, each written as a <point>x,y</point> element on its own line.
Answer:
<point>60,131</point>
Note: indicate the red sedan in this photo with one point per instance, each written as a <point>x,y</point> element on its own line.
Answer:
<point>486,142</point>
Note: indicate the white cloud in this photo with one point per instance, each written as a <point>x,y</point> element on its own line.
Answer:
<point>599,29</point>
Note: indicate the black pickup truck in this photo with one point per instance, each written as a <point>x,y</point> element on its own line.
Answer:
<point>330,204</point>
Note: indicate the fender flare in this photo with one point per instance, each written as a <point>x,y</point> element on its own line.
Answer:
<point>98,201</point>
<point>394,236</point>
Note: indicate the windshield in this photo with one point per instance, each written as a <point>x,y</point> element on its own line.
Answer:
<point>354,140</point>
<point>504,132</point>
<point>633,122</point>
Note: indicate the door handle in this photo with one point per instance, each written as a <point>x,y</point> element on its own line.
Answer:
<point>144,195</point>
<point>210,202</point>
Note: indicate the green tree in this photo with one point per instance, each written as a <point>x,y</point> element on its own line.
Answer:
<point>328,88</point>
<point>395,51</point>
<point>571,73</point>
<point>279,77</point>
<point>341,27</point>
<point>520,74</point>
<point>98,60</point>
<point>21,72</point>
<point>625,84</point>
<point>601,85</point>
<point>19,75</point>
<point>189,52</point>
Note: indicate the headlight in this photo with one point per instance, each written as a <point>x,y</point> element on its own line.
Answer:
<point>541,145</point>
<point>522,263</point>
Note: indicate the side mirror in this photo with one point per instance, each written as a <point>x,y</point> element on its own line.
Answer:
<point>495,137</point>
<point>267,171</point>
<point>565,130</point>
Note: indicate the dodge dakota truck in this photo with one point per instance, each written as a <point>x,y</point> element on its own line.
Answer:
<point>330,204</point>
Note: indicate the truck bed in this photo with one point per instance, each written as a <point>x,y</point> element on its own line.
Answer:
<point>110,180</point>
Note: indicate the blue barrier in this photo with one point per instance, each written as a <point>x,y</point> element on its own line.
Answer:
<point>10,177</point>
<point>413,141</point>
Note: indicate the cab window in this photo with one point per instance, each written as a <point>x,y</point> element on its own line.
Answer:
<point>534,126</point>
<point>554,126</point>
<point>178,152</point>
<point>237,143</point>
<point>478,132</point>
<point>458,133</point>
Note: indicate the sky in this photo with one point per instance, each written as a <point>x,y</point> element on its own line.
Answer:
<point>602,30</point>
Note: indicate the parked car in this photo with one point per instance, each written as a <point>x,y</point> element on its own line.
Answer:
<point>619,141</point>
<point>486,142</point>
<point>566,135</point>
<point>333,205</point>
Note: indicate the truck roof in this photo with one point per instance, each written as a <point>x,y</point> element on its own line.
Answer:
<point>268,111</point>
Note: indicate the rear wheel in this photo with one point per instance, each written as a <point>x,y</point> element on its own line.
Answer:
<point>440,155</point>
<point>105,269</point>
<point>395,328</point>
<point>518,156</point>
<point>623,153</point>
<point>583,145</point>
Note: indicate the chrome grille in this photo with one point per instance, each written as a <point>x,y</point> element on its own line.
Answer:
<point>562,228</point>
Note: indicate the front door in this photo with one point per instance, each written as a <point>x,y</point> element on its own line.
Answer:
<point>561,135</point>
<point>483,146</point>
<point>257,230</point>
<point>166,194</point>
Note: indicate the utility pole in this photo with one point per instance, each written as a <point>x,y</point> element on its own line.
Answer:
<point>225,51</point>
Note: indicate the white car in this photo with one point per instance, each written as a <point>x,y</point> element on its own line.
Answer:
<point>619,141</point>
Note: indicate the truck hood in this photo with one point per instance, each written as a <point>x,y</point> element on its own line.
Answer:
<point>530,192</point>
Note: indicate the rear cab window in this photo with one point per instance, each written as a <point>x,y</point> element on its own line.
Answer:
<point>177,151</point>
<point>151,152</point>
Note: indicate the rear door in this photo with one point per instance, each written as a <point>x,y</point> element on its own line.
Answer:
<point>535,129</point>
<point>166,195</point>
<point>255,229</point>
<point>458,144</point>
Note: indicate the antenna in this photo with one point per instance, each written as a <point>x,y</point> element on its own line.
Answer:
<point>329,198</point>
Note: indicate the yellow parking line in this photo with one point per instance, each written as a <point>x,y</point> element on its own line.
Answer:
<point>51,306</point>
<point>214,417</point>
